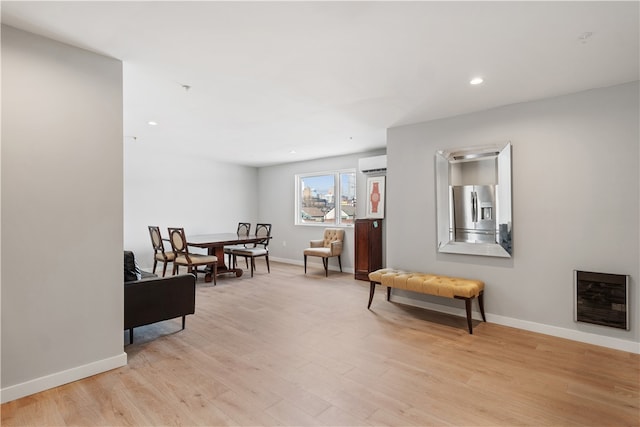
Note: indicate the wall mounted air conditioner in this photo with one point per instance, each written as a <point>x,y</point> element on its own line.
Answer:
<point>373,165</point>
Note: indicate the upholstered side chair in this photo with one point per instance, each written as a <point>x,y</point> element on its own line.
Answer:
<point>158,249</point>
<point>187,259</point>
<point>329,246</point>
<point>244,229</point>
<point>259,249</point>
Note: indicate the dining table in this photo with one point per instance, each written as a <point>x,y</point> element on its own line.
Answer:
<point>215,243</point>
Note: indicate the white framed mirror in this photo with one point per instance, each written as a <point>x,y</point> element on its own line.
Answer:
<point>473,200</point>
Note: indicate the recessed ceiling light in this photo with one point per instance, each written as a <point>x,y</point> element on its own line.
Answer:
<point>152,123</point>
<point>292,152</point>
<point>476,80</point>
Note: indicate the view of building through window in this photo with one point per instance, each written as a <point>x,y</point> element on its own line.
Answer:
<point>326,198</point>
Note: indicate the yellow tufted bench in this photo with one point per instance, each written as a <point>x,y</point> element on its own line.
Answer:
<point>431,284</point>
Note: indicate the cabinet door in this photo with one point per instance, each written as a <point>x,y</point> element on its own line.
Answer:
<point>362,250</point>
<point>375,246</point>
<point>368,247</point>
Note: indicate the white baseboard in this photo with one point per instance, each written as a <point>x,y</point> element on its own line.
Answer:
<point>570,334</point>
<point>580,336</point>
<point>300,262</point>
<point>287,260</point>
<point>36,385</point>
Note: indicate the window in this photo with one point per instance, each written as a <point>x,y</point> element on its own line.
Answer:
<point>326,198</point>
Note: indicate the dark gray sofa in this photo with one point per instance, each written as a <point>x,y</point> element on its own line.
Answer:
<point>150,299</point>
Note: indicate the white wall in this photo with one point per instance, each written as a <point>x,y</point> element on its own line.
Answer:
<point>62,298</point>
<point>277,199</point>
<point>169,190</point>
<point>575,206</point>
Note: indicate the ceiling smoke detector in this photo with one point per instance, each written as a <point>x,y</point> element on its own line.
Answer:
<point>585,37</point>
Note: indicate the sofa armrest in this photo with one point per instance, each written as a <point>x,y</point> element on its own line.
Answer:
<point>155,299</point>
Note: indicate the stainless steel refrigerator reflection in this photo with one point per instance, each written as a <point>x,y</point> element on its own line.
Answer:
<point>474,213</point>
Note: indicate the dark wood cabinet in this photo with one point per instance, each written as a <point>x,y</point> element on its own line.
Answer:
<point>368,248</point>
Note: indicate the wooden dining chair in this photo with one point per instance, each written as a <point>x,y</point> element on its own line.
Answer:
<point>184,257</point>
<point>259,249</point>
<point>244,229</point>
<point>158,249</point>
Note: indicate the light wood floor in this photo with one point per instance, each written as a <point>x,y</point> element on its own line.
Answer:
<point>289,349</point>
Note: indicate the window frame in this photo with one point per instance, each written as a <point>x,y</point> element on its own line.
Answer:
<point>337,184</point>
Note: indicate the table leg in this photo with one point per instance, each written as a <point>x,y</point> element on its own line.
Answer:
<point>218,251</point>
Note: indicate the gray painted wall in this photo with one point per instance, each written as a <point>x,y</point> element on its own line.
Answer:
<point>277,199</point>
<point>62,299</point>
<point>575,203</point>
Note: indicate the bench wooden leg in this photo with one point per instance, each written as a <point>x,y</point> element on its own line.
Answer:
<point>388,293</point>
<point>481,304</point>
<point>467,304</point>
<point>131,336</point>
<point>183,320</point>
<point>372,290</point>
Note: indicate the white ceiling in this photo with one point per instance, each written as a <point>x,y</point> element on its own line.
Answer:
<point>328,78</point>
